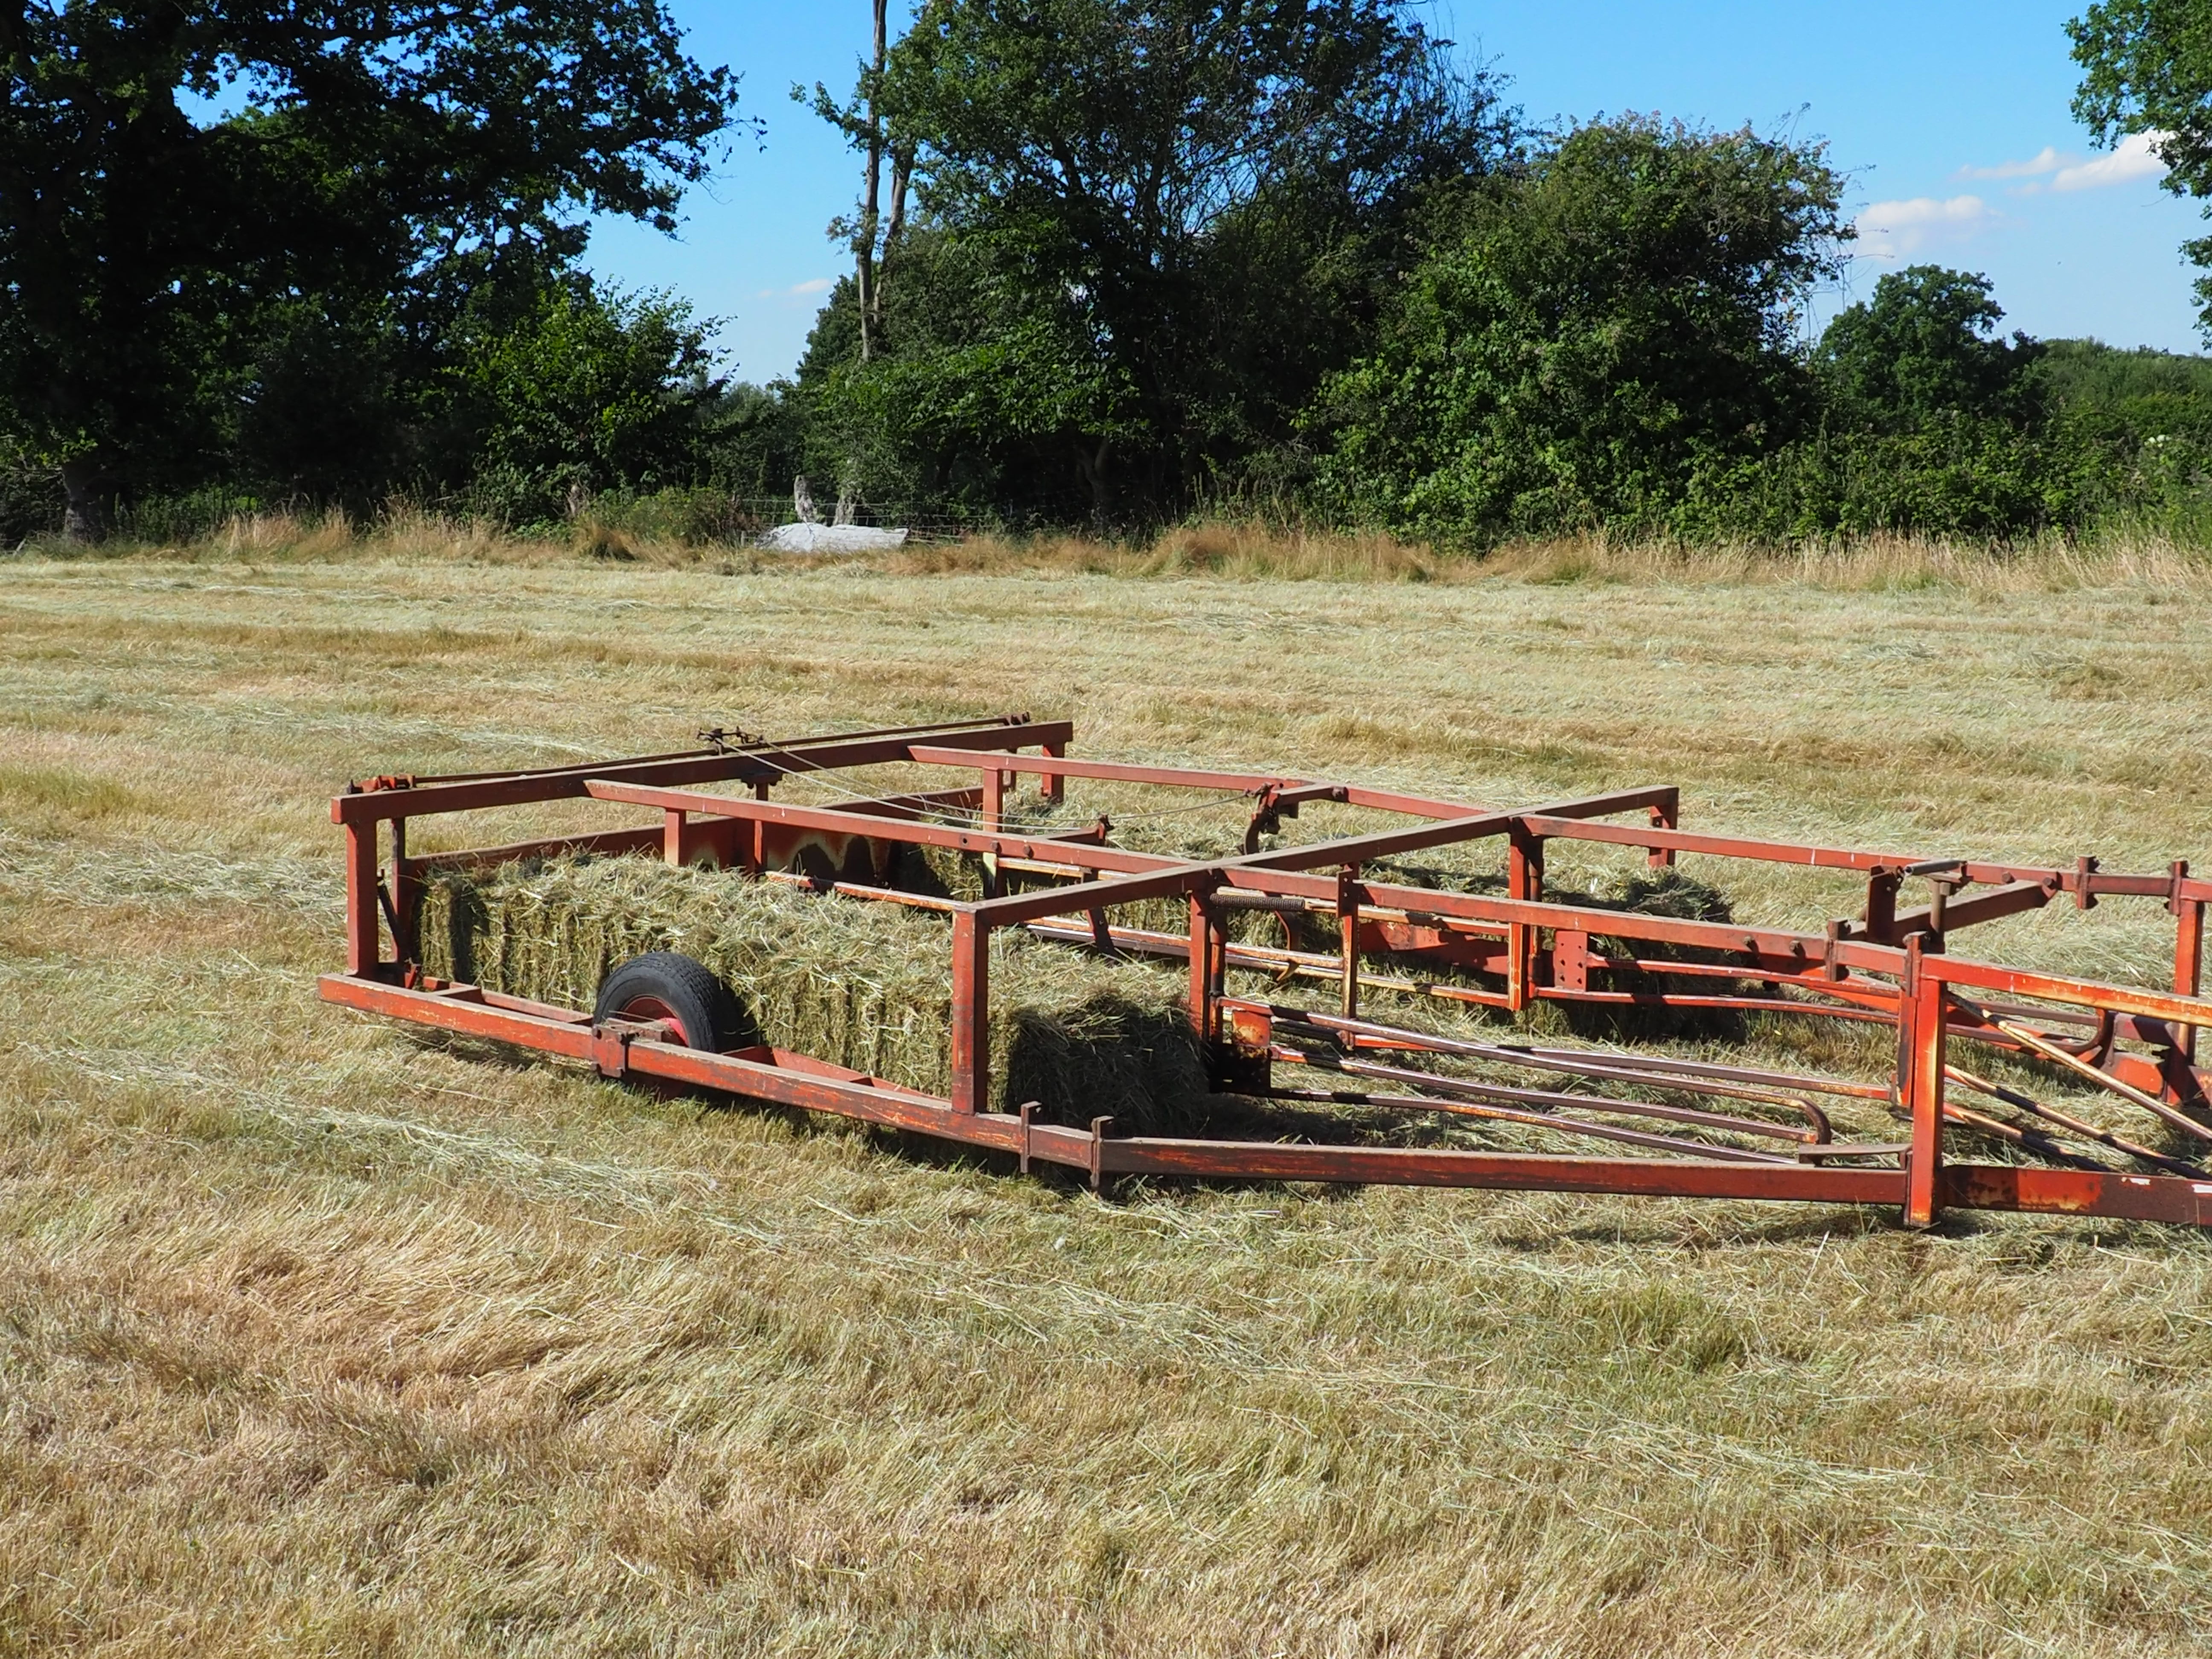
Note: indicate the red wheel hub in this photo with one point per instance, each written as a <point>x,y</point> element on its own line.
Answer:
<point>653,1008</point>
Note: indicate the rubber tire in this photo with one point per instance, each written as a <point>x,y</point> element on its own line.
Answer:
<point>694,997</point>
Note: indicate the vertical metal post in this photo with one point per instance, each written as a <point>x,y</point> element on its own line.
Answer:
<point>1666,815</point>
<point>1525,879</point>
<point>1207,962</point>
<point>1347,931</point>
<point>1050,785</point>
<point>971,1012</point>
<point>364,934</point>
<point>2188,955</point>
<point>1102,932</point>
<point>671,838</point>
<point>995,799</point>
<point>1922,1015</point>
<point>406,896</point>
<point>1882,883</point>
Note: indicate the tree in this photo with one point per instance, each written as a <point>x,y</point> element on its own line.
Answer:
<point>1923,348</point>
<point>174,175</point>
<point>588,392</point>
<point>1587,343</point>
<point>1187,209</point>
<point>861,120</point>
<point>2147,67</point>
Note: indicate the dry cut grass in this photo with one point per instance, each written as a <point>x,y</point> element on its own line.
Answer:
<point>317,1337</point>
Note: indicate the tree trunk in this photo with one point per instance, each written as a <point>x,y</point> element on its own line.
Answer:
<point>864,243</point>
<point>1093,468</point>
<point>902,170</point>
<point>85,518</point>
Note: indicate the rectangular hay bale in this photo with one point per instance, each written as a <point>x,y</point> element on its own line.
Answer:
<point>861,983</point>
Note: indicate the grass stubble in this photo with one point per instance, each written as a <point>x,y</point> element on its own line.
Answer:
<point>316,1336</point>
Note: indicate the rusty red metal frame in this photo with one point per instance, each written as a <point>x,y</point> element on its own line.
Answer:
<point>1887,966</point>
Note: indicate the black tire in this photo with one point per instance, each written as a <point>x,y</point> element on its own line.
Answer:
<point>670,985</point>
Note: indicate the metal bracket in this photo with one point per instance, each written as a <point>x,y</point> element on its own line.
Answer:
<point>1937,867</point>
<point>1266,819</point>
<point>611,1048</point>
<point>1097,1149</point>
<point>725,740</point>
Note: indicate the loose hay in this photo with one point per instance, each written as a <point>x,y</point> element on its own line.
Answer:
<point>861,984</point>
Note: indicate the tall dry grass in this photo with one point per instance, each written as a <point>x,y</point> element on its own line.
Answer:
<point>316,1337</point>
<point>1869,561</point>
<point>1236,550</point>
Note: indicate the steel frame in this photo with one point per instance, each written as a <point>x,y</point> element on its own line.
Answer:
<point>1886,966</point>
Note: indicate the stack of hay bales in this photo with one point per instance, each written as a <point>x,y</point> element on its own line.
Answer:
<point>862,983</point>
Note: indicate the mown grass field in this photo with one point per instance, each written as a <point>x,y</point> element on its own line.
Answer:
<point>317,1338</point>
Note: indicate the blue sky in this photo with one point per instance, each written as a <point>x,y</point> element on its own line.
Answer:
<point>1949,116</point>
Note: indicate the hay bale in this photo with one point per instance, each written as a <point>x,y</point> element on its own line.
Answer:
<point>946,874</point>
<point>862,984</point>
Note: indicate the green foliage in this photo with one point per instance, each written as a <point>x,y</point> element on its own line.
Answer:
<point>1921,350</point>
<point>1159,256</point>
<point>30,494</point>
<point>2147,67</point>
<point>752,446</point>
<point>1593,342</point>
<point>688,515</point>
<point>1930,424</point>
<point>2140,424</point>
<point>1155,227</point>
<point>2019,439</point>
<point>1955,474</point>
<point>160,267</point>
<point>978,397</point>
<point>2075,373</point>
<point>587,393</point>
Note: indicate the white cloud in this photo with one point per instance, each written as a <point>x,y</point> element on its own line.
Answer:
<point>2049,160</point>
<point>2135,158</point>
<point>798,290</point>
<point>1890,230</point>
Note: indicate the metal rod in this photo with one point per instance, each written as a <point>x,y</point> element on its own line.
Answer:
<point>1469,1089</point>
<point>1537,1121</point>
<point>2105,1079</point>
<point>1575,1060</point>
<point>2065,1121</point>
<point>1805,1108</point>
